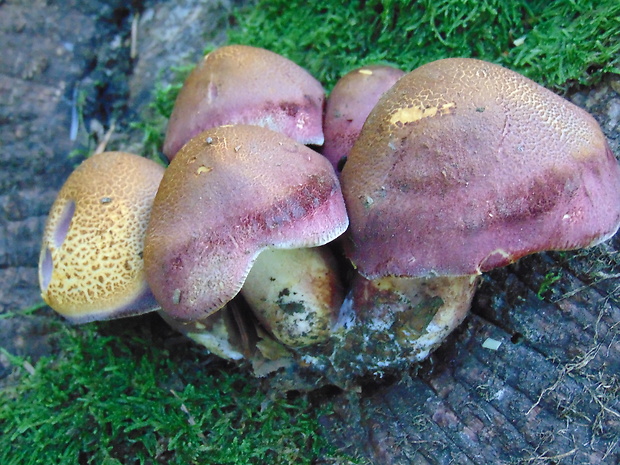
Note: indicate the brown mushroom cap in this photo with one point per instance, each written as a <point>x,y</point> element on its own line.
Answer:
<point>238,84</point>
<point>464,166</point>
<point>91,264</point>
<point>350,103</point>
<point>229,193</point>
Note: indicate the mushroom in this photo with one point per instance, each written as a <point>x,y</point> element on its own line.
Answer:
<point>464,166</point>
<point>91,266</point>
<point>222,333</point>
<point>238,84</point>
<point>348,106</point>
<point>232,194</point>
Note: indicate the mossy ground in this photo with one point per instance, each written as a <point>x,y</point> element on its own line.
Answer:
<point>554,43</point>
<point>120,395</point>
<point>117,394</point>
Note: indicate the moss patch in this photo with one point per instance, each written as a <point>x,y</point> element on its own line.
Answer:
<point>553,43</point>
<point>123,398</point>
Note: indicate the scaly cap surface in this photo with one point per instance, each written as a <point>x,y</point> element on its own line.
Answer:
<point>91,265</point>
<point>464,166</point>
<point>229,193</point>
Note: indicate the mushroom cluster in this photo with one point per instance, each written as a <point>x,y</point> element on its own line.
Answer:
<point>256,246</point>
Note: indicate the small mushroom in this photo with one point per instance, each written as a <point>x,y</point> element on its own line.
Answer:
<point>231,194</point>
<point>91,266</point>
<point>461,167</point>
<point>224,333</point>
<point>348,106</point>
<point>238,84</point>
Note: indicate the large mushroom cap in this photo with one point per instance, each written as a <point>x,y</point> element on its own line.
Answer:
<point>350,103</point>
<point>91,264</point>
<point>238,84</point>
<point>464,166</point>
<point>228,194</point>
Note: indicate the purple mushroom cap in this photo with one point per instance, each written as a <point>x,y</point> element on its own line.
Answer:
<point>464,166</point>
<point>350,103</point>
<point>230,193</point>
<point>238,84</point>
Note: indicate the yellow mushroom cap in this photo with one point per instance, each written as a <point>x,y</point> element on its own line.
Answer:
<point>91,266</point>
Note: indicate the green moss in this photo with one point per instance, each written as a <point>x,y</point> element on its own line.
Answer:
<point>124,399</point>
<point>157,114</point>
<point>550,279</point>
<point>24,312</point>
<point>551,42</point>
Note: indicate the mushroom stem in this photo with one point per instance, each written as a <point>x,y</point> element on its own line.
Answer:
<point>295,293</point>
<point>393,321</point>
<point>232,333</point>
<point>221,333</point>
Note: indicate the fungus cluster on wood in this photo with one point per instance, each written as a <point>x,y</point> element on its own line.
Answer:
<point>452,169</point>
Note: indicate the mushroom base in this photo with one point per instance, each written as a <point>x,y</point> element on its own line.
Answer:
<point>233,333</point>
<point>385,325</point>
<point>218,333</point>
